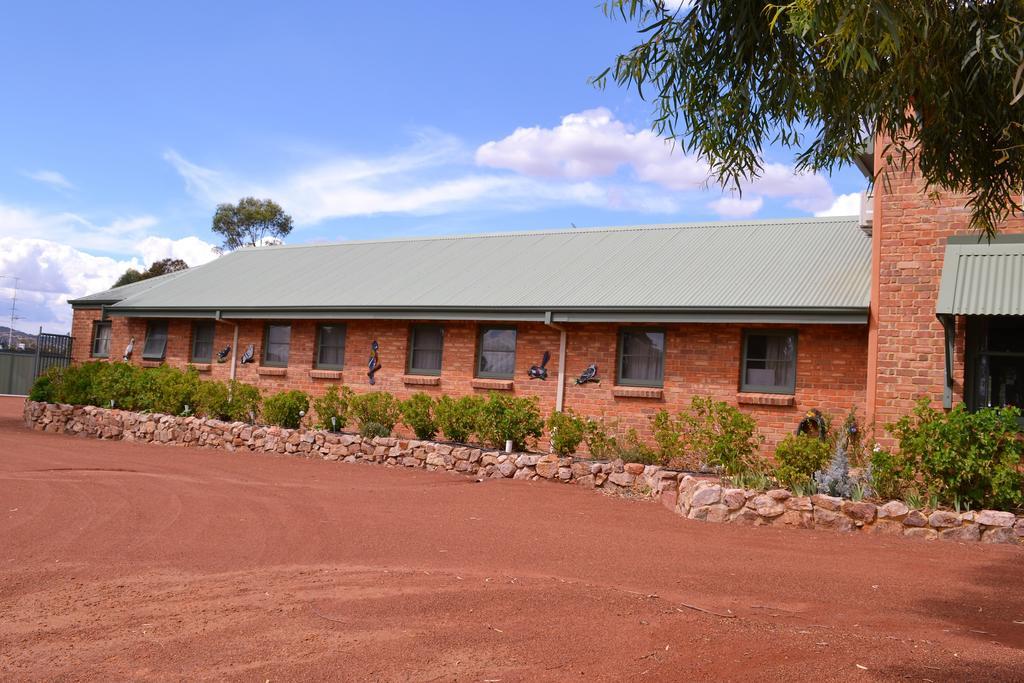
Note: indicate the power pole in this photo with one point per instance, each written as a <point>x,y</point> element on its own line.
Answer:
<point>14,309</point>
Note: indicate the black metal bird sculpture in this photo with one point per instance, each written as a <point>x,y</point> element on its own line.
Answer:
<point>250,351</point>
<point>540,371</point>
<point>813,421</point>
<point>374,364</point>
<point>589,375</point>
<point>129,349</point>
<point>222,355</point>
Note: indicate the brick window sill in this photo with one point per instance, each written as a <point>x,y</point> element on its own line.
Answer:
<point>151,363</point>
<point>637,392</point>
<point>201,367</point>
<point>755,399</point>
<point>325,374</point>
<point>422,380</point>
<point>271,371</point>
<point>494,384</point>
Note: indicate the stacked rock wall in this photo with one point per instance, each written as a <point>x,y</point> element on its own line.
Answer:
<point>697,498</point>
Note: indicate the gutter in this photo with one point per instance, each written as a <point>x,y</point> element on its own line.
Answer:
<point>560,392</point>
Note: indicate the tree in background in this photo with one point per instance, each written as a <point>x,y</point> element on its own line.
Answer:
<point>942,81</point>
<point>252,222</point>
<point>161,267</point>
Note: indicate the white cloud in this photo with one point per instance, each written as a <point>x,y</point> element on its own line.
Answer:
<point>427,179</point>
<point>50,178</point>
<point>50,254</point>
<point>844,205</point>
<point>737,207</point>
<point>191,250</point>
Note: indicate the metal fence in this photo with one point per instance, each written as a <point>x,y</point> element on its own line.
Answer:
<point>19,369</point>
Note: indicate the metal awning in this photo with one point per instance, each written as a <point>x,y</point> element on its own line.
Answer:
<point>978,278</point>
<point>983,278</point>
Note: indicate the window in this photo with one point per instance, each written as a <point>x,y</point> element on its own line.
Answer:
<point>101,331</point>
<point>276,343</point>
<point>330,347</point>
<point>425,342</point>
<point>769,362</point>
<point>641,357</point>
<point>156,340</point>
<point>496,352</point>
<point>202,341</point>
<point>994,362</point>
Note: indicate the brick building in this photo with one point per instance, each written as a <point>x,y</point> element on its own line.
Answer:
<point>777,317</point>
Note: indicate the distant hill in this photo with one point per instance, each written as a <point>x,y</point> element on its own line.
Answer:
<point>19,337</point>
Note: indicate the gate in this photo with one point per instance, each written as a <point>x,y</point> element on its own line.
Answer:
<point>19,369</point>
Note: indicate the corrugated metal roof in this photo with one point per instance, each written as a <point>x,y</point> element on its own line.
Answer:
<point>805,264</point>
<point>124,291</point>
<point>983,278</point>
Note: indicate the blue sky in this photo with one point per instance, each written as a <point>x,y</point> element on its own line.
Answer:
<point>124,124</point>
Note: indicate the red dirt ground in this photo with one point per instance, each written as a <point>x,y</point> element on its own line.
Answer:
<point>130,561</point>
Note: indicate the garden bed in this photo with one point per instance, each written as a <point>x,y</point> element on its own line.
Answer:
<point>694,497</point>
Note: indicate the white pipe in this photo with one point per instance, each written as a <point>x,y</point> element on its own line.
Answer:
<point>234,342</point>
<point>560,392</point>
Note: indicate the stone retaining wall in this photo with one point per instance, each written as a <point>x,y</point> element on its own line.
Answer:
<point>693,497</point>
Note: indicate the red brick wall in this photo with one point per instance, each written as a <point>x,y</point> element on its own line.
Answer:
<point>911,227</point>
<point>700,359</point>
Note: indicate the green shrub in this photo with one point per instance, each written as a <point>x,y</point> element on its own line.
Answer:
<point>211,400</point>
<point>457,418</point>
<point>286,408</point>
<point>418,414</point>
<point>45,387</point>
<point>76,383</point>
<point>375,412</point>
<point>669,433</point>
<point>798,458</point>
<point>889,474</point>
<point>117,382</point>
<point>960,457</point>
<point>244,402</point>
<point>509,417</point>
<point>334,403</point>
<point>166,390</point>
<point>600,444</point>
<point>632,449</point>
<point>719,435</point>
<point>567,431</point>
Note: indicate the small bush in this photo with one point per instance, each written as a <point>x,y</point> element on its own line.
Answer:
<point>799,457</point>
<point>375,412</point>
<point>418,414</point>
<point>166,390</point>
<point>567,431</point>
<point>212,400</point>
<point>118,382</point>
<point>457,418</point>
<point>599,442</point>
<point>44,388</point>
<point>286,408</point>
<point>960,457</point>
<point>509,417</point>
<point>76,384</point>
<point>669,433</point>
<point>334,403</point>
<point>720,436</point>
<point>632,449</point>
<point>244,403</point>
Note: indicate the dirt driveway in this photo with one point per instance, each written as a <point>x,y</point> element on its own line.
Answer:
<point>124,561</point>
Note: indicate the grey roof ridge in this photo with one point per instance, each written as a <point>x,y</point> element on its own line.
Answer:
<point>690,225</point>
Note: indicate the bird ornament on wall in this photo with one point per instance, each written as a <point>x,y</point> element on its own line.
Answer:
<point>374,363</point>
<point>223,354</point>
<point>589,375</point>
<point>540,371</point>
<point>129,349</point>
<point>250,352</point>
<point>813,424</point>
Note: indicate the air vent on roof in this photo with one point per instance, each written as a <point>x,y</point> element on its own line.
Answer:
<point>867,210</point>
